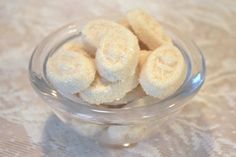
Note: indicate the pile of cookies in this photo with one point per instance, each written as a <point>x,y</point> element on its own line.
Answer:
<point>116,62</point>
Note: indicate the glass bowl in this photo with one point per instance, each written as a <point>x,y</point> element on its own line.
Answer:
<point>115,126</point>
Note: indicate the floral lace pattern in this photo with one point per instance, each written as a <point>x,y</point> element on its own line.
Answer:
<point>206,126</point>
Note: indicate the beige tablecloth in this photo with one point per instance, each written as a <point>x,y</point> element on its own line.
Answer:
<point>205,128</point>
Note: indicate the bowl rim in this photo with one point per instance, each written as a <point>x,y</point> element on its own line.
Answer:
<point>114,115</point>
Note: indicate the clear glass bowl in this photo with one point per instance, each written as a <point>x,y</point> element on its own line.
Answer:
<point>115,126</point>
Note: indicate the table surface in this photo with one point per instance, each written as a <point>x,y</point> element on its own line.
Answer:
<point>206,126</point>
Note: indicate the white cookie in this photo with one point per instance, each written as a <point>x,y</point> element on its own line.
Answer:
<point>101,91</point>
<point>117,48</point>
<point>70,71</point>
<point>148,30</point>
<point>117,55</point>
<point>93,31</point>
<point>163,72</point>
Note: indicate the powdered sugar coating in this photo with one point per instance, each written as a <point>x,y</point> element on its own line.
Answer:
<point>163,72</point>
<point>70,71</point>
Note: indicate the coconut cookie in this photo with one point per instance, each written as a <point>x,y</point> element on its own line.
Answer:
<point>71,71</point>
<point>102,91</point>
<point>117,55</point>
<point>148,30</point>
<point>94,31</point>
<point>163,72</point>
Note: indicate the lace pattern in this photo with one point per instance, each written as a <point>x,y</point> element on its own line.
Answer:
<point>206,126</point>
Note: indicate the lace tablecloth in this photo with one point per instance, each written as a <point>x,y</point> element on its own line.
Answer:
<point>205,128</point>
